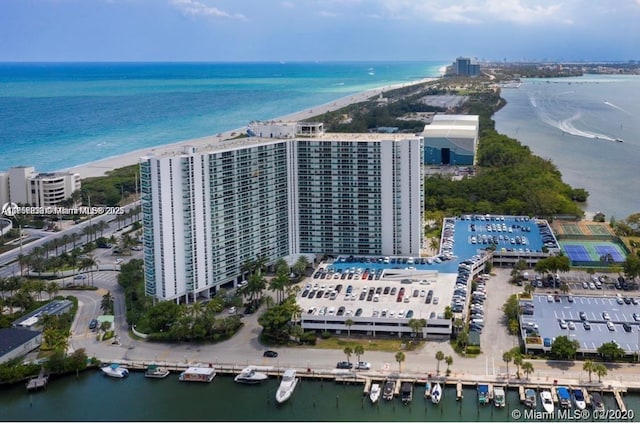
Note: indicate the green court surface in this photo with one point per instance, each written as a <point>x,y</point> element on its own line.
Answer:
<point>571,229</point>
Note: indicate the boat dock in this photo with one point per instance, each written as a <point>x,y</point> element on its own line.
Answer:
<point>587,397</point>
<point>619,401</point>
<point>554,395</point>
<point>459,395</point>
<point>490,393</point>
<point>38,382</point>
<point>521,393</point>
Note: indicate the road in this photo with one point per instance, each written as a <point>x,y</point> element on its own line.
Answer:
<point>244,348</point>
<point>39,237</point>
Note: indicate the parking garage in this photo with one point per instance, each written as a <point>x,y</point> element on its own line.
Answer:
<point>590,320</point>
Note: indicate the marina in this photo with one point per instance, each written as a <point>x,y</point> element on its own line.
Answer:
<point>314,399</point>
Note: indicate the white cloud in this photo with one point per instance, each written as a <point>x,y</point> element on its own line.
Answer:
<point>196,8</point>
<point>482,11</point>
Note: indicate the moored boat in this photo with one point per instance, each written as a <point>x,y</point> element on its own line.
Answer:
<point>406,392</point>
<point>436,393</point>
<point>564,398</point>
<point>197,374</point>
<point>499,398</point>
<point>483,394</point>
<point>597,403</point>
<point>156,372</point>
<point>547,401</point>
<point>387,392</point>
<point>250,376</point>
<point>374,394</point>
<point>427,389</point>
<point>530,398</point>
<point>115,370</point>
<point>578,399</point>
<point>287,386</point>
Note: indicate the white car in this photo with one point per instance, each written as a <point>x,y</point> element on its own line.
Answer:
<point>232,310</point>
<point>363,365</point>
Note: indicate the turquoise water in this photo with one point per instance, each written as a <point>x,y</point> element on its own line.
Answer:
<point>55,116</point>
<point>93,396</point>
<point>560,118</point>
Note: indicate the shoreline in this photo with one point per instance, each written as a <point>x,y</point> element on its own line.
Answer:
<point>100,167</point>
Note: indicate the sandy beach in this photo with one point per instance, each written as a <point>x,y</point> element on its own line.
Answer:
<point>101,167</point>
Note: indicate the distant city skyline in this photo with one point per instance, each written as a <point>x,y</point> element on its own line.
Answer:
<point>318,30</point>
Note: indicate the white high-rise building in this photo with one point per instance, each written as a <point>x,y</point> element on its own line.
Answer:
<point>23,185</point>
<point>206,213</point>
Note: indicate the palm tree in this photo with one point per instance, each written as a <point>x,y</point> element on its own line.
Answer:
<point>348,351</point>
<point>589,366</point>
<point>358,351</point>
<point>434,244</point>
<point>517,360</point>
<point>600,370</point>
<point>527,368</point>
<point>300,266</point>
<point>564,287</point>
<point>439,358</point>
<point>416,325</point>
<point>507,357</point>
<point>348,323</point>
<point>279,282</point>
<point>52,289</point>
<point>449,360</point>
<point>463,338</point>
<point>400,358</point>
<point>107,303</point>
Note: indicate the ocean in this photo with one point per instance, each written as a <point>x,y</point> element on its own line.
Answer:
<point>575,123</point>
<point>58,115</point>
<point>94,397</point>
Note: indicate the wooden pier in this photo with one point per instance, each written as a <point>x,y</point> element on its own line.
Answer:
<point>490,393</point>
<point>587,397</point>
<point>554,395</point>
<point>38,382</point>
<point>367,386</point>
<point>459,395</point>
<point>521,393</point>
<point>618,397</point>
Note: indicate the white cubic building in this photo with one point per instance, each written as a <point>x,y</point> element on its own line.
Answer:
<point>23,185</point>
<point>206,213</point>
<point>451,140</point>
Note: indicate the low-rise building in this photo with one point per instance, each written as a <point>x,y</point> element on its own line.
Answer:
<point>17,343</point>
<point>23,185</point>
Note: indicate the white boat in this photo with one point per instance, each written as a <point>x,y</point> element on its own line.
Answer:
<point>547,401</point>
<point>157,372</point>
<point>578,399</point>
<point>374,394</point>
<point>115,370</point>
<point>287,385</point>
<point>250,376</point>
<point>499,398</point>
<point>436,393</point>
<point>530,398</point>
<point>597,402</point>
<point>197,374</point>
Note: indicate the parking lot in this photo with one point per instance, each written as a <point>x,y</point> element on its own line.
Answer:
<point>608,318</point>
<point>388,300</point>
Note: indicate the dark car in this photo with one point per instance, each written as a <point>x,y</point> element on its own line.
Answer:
<point>93,324</point>
<point>626,327</point>
<point>344,365</point>
<point>270,353</point>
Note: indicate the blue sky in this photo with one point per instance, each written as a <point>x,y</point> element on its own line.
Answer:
<point>308,30</point>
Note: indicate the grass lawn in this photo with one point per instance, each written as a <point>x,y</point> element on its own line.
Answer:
<point>388,345</point>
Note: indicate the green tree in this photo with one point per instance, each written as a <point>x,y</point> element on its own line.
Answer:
<point>107,303</point>
<point>601,371</point>
<point>589,366</point>
<point>563,347</point>
<point>439,358</point>
<point>358,351</point>
<point>348,323</point>
<point>611,351</point>
<point>348,351</point>
<point>449,360</point>
<point>518,361</point>
<point>527,368</point>
<point>400,357</point>
<point>416,325</point>
<point>507,357</point>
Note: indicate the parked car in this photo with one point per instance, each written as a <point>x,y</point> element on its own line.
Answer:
<point>270,353</point>
<point>344,365</point>
<point>626,326</point>
<point>93,324</point>
<point>363,365</point>
<point>610,326</point>
<point>586,325</point>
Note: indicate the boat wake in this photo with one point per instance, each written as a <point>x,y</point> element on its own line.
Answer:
<point>618,108</point>
<point>567,126</point>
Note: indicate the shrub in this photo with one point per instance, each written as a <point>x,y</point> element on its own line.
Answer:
<point>473,349</point>
<point>325,335</point>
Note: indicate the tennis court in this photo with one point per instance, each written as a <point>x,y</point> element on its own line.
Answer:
<point>591,251</point>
